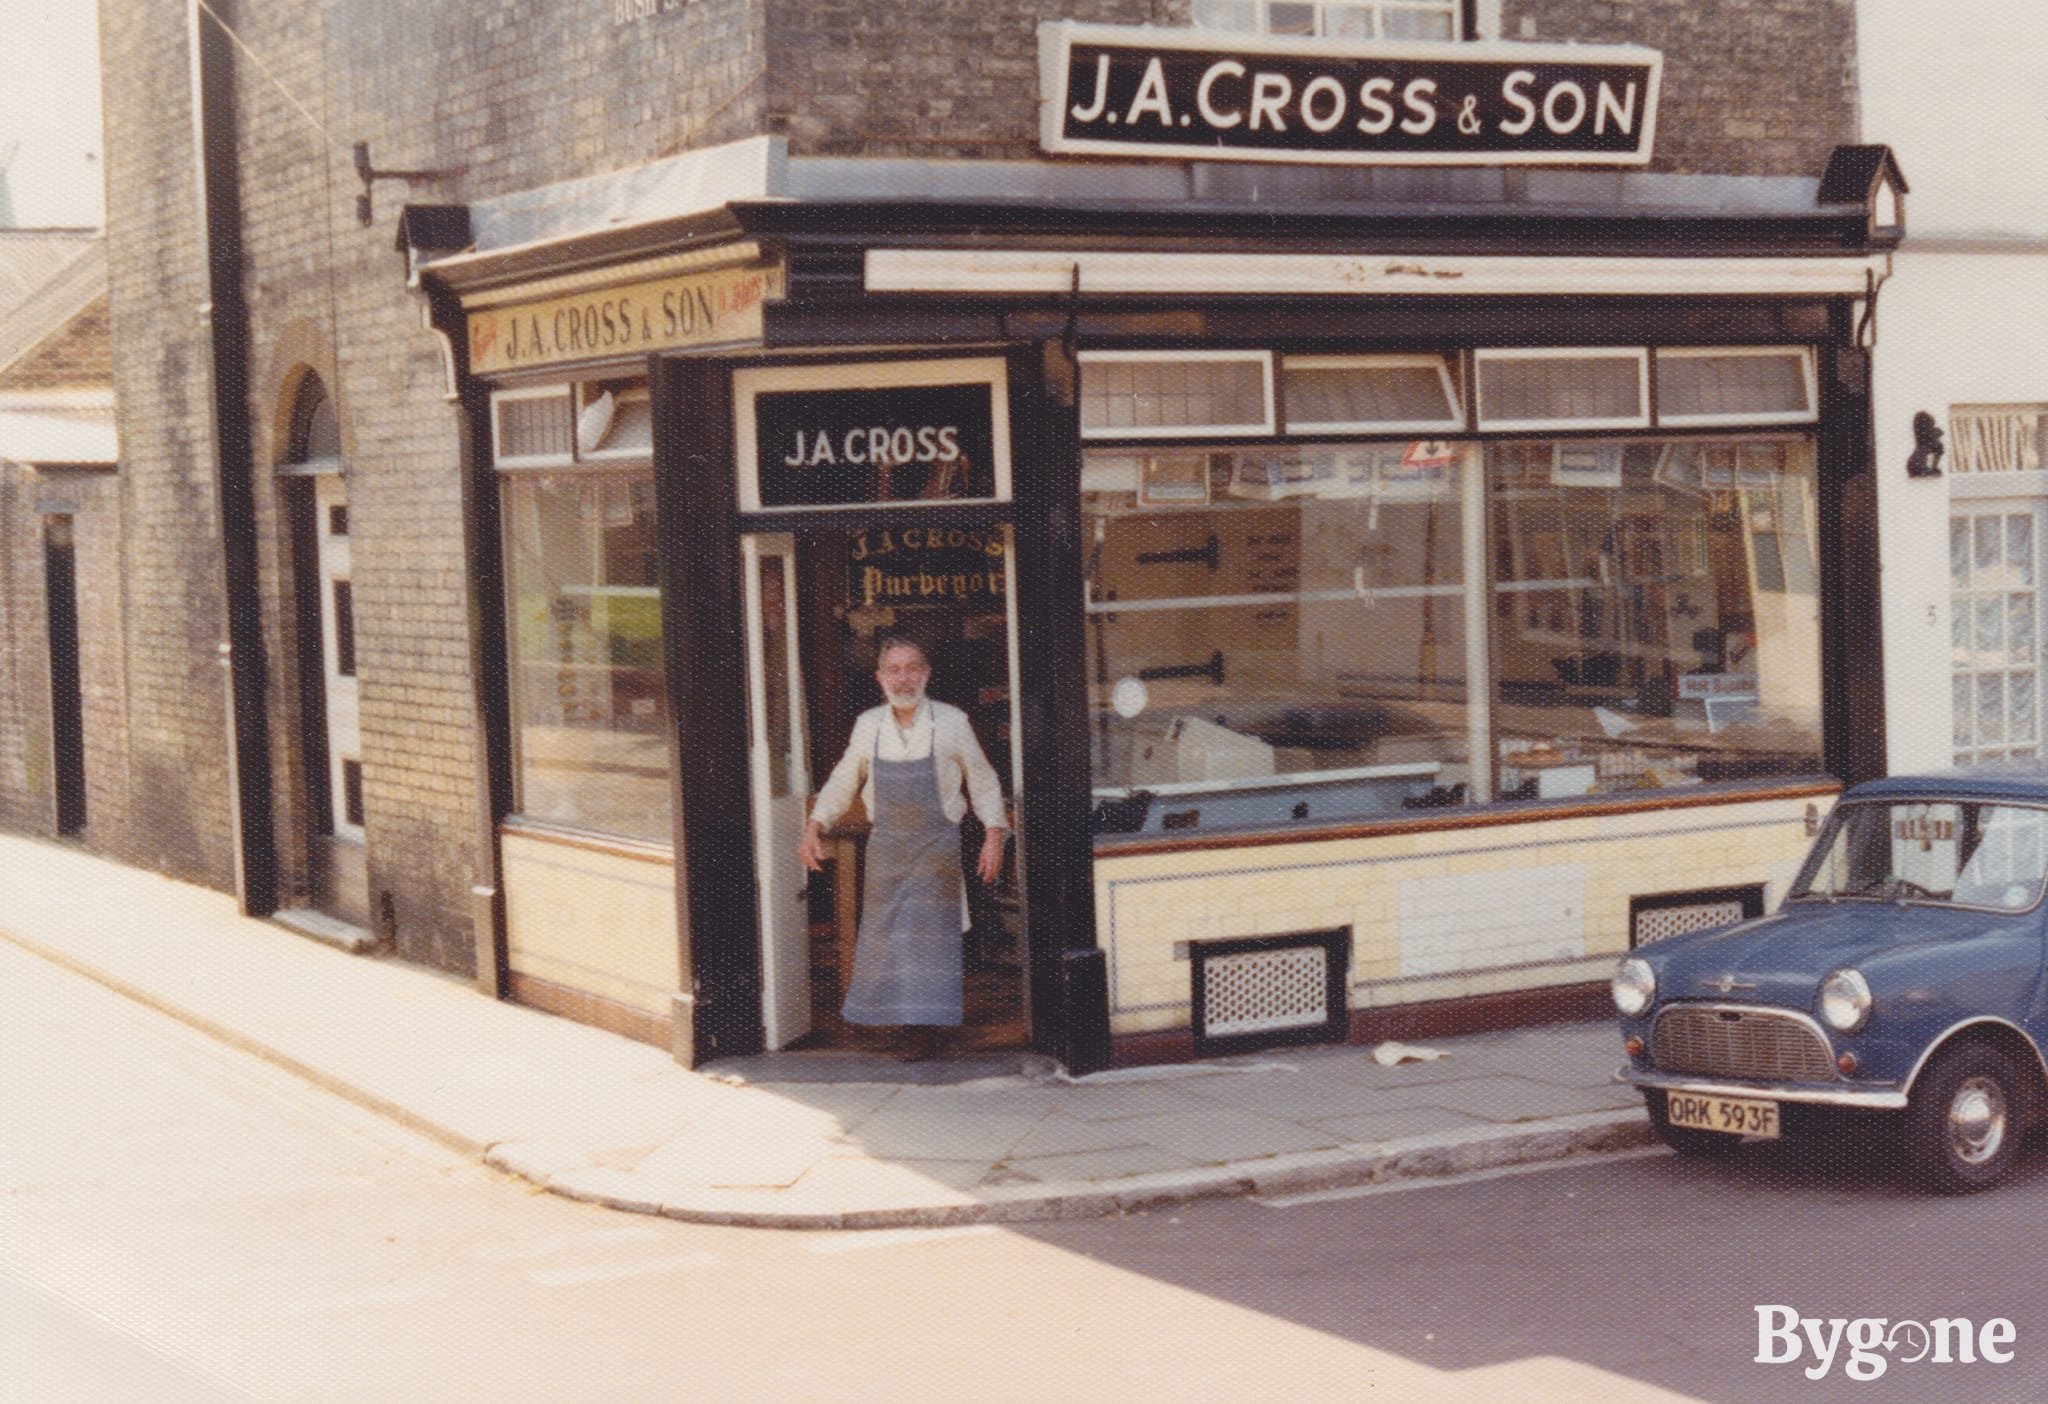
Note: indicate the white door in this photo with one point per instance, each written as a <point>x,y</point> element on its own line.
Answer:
<point>781,785</point>
<point>338,657</point>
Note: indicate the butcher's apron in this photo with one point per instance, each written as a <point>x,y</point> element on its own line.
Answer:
<point>907,964</point>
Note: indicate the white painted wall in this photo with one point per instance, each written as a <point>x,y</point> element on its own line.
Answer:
<point>1955,90</point>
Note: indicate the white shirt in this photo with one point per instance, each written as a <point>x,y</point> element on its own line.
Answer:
<point>964,772</point>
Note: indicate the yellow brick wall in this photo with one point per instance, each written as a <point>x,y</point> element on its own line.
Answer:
<point>1554,893</point>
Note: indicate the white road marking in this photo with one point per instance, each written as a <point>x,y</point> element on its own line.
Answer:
<point>564,1243</point>
<point>855,1239</point>
<point>1502,1172</point>
<point>618,1272</point>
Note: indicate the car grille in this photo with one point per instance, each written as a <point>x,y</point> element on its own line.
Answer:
<point>1747,1043</point>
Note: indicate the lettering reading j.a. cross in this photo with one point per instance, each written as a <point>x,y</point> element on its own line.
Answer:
<point>879,443</point>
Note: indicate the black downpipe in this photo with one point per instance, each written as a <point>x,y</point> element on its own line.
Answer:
<point>227,319</point>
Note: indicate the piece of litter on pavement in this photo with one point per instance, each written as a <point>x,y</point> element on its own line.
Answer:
<point>1388,1054</point>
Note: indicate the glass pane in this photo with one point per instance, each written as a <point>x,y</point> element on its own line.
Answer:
<point>1240,15</point>
<point>1347,22</point>
<point>2019,551</point>
<point>1275,636</point>
<point>1544,390</point>
<point>589,700</point>
<point>1365,393</point>
<point>1960,693</point>
<point>1990,640</point>
<point>2020,694</point>
<point>536,427</point>
<point>1960,619</point>
<point>1642,634</point>
<point>1173,394</point>
<point>1990,708</point>
<point>1289,17</point>
<point>1988,551</point>
<point>1699,386</point>
<point>1419,24</point>
<point>1959,553</point>
<point>2019,637</point>
<point>1979,855</point>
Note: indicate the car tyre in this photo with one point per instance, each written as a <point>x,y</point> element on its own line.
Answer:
<point>1963,1125</point>
<point>1683,1139</point>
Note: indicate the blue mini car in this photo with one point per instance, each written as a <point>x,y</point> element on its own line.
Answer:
<point>1899,987</point>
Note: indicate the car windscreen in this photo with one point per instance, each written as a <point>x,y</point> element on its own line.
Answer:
<point>1958,852</point>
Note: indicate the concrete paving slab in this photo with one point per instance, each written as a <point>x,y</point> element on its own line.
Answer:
<point>1510,1099</point>
<point>1117,1163</point>
<point>1060,1134</point>
<point>1394,1124</point>
<point>1228,1134</point>
<point>916,1132</point>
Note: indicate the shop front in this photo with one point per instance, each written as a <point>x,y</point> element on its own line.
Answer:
<point>1384,592</point>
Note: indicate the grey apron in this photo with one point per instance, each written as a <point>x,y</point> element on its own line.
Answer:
<point>907,965</point>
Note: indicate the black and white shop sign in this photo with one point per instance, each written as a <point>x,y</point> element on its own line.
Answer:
<point>863,445</point>
<point>1109,90</point>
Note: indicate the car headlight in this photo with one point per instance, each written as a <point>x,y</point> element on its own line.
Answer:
<point>1635,986</point>
<point>1845,1000</point>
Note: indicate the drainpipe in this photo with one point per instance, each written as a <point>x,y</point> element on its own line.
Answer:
<point>225,316</point>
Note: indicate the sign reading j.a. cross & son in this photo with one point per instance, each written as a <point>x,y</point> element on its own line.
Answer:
<point>1106,90</point>
<point>827,448</point>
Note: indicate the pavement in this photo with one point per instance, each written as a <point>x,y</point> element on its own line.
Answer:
<point>809,1141</point>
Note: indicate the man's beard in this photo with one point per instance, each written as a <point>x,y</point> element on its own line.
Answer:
<point>906,699</point>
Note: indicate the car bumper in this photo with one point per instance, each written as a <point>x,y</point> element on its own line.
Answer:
<point>1851,1098</point>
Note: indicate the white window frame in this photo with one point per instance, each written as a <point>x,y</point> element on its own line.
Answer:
<point>1442,364</point>
<point>1267,426</point>
<point>1809,380</point>
<point>1378,9</point>
<point>637,393</point>
<point>559,390</point>
<point>1639,354</point>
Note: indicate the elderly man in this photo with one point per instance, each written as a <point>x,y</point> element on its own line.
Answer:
<point>917,767</point>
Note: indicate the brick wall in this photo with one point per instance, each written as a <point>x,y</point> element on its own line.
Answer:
<point>79,356</point>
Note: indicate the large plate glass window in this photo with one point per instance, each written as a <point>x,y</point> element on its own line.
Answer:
<point>1337,19</point>
<point>583,611</point>
<point>1276,635</point>
<point>1656,616</point>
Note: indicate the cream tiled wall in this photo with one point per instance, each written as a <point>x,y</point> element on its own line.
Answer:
<point>600,923</point>
<point>1434,915</point>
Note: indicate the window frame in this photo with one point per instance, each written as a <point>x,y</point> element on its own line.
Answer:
<point>1268,427</point>
<point>1378,9</point>
<point>1444,365</point>
<point>1484,355</point>
<point>1808,375</point>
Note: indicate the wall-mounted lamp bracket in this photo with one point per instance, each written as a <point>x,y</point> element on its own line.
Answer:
<point>370,175</point>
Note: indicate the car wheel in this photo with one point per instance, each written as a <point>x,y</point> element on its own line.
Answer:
<point>1963,1124</point>
<point>1684,1139</point>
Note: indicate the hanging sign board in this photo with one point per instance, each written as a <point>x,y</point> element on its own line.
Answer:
<point>1113,91</point>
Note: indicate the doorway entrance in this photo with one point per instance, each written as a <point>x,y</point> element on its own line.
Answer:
<point>67,703</point>
<point>818,600</point>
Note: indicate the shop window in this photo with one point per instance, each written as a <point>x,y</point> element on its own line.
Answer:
<point>1146,394</point>
<point>589,697</point>
<point>1276,635</point>
<point>1340,394</point>
<point>1997,438</point>
<point>1570,389</point>
<point>1301,634</point>
<point>1751,385</point>
<point>1335,19</point>
<point>1655,620</point>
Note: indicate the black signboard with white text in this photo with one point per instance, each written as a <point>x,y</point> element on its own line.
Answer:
<point>1107,90</point>
<point>909,443</point>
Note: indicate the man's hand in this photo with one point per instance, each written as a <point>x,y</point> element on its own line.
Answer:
<point>990,866</point>
<point>812,849</point>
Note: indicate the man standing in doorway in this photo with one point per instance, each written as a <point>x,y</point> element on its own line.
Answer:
<point>917,767</point>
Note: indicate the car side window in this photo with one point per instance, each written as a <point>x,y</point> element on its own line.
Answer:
<point>2005,852</point>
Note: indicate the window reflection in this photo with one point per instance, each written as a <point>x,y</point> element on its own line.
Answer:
<point>1281,635</point>
<point>588,698</point>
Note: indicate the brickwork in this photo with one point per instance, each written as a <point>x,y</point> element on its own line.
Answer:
<point>80,356</point>
<point>24,679</point>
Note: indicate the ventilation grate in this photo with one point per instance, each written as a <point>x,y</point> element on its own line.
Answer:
<point>1660,917</point>
<point>1277,989</point>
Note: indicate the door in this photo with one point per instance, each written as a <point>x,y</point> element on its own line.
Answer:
<point>779,778</point>
<point>67,705</point>
<point>338,657</point>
